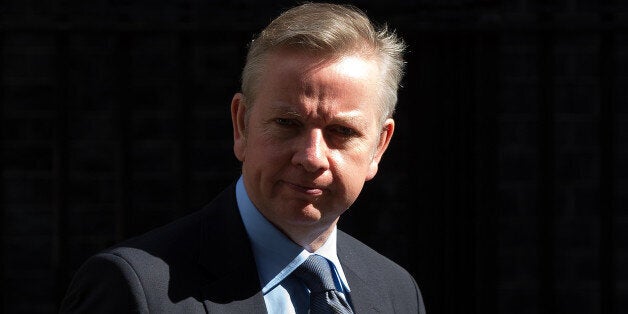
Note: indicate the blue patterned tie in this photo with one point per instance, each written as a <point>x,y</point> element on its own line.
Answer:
<point>316,274</point>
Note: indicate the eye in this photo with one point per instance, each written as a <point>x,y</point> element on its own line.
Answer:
<point>284,122</point>
<point>344,131</point>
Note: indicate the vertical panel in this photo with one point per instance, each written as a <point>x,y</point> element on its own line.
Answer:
<point>463,136</point>
<point>546,176</point>
<point>60,169</point>
<point>517,173</point>
<point>486,82</point>
<point>123,133</point>
<point>3,206</point>
<point>184,90</point>
<point>607,166</point>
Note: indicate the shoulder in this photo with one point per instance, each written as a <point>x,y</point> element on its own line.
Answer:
<point>157,269</point>
<point>381,274</point>
<point>136,275</point>
<point>103,278</point>
<point>364,259</point>
<point>180,239</point>
<point>173,244</point>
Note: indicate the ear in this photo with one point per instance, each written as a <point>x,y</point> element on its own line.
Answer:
<point>382,145</point>
<point>238,109</point>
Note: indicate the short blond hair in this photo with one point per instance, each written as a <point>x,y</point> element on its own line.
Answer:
<point>332,30</point>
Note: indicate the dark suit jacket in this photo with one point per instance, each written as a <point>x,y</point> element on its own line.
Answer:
<point>204,263</point>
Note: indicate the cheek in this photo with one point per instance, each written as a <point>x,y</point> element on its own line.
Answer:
<point>351,169</point>
<point>355,169</point>
<point>265,153</point>
<point>357,156</point>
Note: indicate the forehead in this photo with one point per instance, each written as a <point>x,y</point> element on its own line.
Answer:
<point>310,87</point>
<point>303,70</point>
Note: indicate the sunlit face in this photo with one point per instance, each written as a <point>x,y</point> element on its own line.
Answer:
<point>313,137</point>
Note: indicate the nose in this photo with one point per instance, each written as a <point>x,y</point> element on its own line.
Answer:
<point>311,151</point>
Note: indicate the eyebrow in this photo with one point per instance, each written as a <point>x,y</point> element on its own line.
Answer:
<point>352,117</point>
<point>286,109</point>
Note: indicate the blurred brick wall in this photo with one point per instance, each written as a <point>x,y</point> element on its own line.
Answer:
<point>504,190</point>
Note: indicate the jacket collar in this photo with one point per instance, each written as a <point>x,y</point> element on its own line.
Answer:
<point>227,258</point>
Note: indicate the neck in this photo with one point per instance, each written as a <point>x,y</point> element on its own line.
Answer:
<point>308,237</point>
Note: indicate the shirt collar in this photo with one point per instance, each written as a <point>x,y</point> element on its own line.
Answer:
<point>276,255</point>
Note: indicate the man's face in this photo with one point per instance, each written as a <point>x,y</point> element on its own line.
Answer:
<point>313,136</point>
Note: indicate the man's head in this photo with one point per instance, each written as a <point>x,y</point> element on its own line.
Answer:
<point>309,127</point>
<point>330,31</point>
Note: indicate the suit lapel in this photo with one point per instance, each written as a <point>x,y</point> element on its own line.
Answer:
<point>232,283</point>
<point>363,296</point>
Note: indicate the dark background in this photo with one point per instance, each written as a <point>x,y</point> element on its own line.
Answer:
<point>505,189</point>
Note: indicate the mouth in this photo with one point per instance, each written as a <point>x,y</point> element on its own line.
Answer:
<point>308,190</point>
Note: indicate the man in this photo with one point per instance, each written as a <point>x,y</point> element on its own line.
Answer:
<point>310,126</point>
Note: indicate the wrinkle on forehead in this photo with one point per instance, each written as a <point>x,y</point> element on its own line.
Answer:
<point>354,68</point>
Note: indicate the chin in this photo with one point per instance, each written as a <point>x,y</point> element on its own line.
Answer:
<point>303,215</point>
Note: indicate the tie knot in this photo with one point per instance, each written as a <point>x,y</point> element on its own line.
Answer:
<point>316,274</point>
